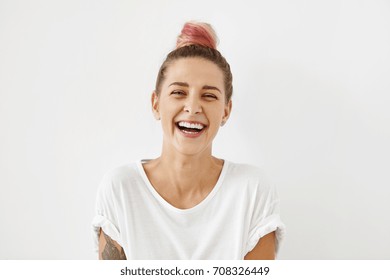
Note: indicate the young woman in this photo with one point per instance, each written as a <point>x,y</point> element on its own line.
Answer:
<point>188,204</point>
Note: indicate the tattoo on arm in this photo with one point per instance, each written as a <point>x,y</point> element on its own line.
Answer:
<point>111,252</point>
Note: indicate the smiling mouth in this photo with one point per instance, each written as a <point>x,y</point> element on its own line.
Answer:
<point>190,128</point>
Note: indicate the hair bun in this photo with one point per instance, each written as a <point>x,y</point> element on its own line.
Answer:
<point>197,33</point>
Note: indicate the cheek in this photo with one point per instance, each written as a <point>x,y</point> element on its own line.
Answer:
<point>167,109</point>
<point>216,114</point>
<point>168,113</point>
<point>215,121</point>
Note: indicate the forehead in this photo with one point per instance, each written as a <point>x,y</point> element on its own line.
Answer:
<point>194,71</point>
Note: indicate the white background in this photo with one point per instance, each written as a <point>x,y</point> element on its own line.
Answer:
<point>310,105</point>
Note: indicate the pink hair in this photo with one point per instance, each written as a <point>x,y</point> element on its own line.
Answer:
<point>197,33</point>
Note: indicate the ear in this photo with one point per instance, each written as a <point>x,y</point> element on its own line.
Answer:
<point>155,107</point>
<point>227,111</point>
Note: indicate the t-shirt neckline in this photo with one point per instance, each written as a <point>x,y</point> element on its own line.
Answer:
<point>165,203</point>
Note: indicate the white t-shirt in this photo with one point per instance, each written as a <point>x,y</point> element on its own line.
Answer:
<point>242,207</point>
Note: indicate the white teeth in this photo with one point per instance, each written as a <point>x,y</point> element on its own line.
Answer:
<point>191,125</point>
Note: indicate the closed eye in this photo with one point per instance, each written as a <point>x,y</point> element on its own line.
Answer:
<point>178,92</point>
<point>210,96</point>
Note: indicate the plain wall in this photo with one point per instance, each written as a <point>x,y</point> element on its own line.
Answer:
<point>310,105</point>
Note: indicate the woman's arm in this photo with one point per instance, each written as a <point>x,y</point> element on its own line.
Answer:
<point>264,250</point>
<point>109,249</point>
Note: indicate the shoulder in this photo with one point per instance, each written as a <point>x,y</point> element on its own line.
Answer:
<point>249,176</point>
<point>247,171</point>
<point>121,172</point>
<point>119,176</point>
<point>253,183</point>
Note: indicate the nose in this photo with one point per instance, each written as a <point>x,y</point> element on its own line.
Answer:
<point>193,106</point>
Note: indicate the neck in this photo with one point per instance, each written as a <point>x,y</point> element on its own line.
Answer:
<point>189,173</point>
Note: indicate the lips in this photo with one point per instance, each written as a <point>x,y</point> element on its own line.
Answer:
<point>190,128</point>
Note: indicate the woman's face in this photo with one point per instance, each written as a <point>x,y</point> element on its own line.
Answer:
<point>191,105</point>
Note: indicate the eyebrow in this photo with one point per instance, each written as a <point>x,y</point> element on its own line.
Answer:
<point>182,84</point>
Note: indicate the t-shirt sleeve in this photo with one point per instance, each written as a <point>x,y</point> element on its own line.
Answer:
<point>105,213</point>
<point>266,216</point>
